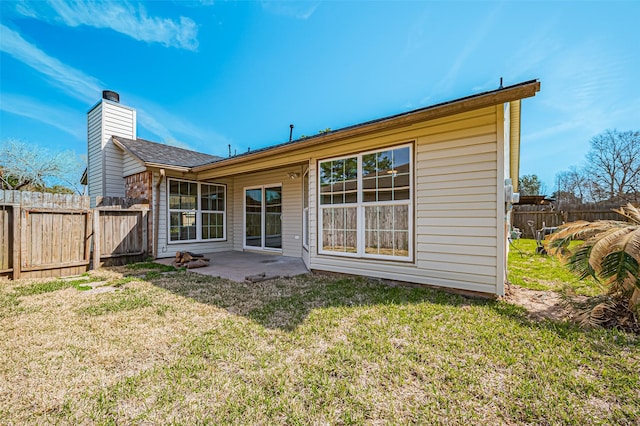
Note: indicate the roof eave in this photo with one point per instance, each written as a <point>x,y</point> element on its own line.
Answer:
<point>123,147</point>
<point>519,91</point>
<point>182,169</point>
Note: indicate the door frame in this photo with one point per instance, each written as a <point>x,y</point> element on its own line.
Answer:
<point>262,246</point>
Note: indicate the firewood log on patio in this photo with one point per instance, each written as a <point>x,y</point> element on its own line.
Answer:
<point>186,259</point>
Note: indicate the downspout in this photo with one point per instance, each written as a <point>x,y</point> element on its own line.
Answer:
<point>156,215</point>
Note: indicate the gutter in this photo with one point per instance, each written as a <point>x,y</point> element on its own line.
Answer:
<point>168,167</point>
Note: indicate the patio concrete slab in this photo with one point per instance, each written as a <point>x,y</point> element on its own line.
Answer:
<point>238,265</point>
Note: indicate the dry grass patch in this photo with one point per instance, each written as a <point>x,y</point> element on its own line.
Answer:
<point>63,342</point>
<point>190,349</point>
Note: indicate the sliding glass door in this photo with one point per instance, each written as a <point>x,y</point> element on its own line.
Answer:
<point>253,218</point>
<point>273,217</point>
<point>263,217</point>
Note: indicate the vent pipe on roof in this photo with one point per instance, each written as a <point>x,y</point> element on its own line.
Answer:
<point>111,96</point>
<point>290,132</point>
<point>500,83</point>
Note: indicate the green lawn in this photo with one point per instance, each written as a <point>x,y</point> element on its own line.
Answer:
<point>189,349</point>
<point>545,272</point>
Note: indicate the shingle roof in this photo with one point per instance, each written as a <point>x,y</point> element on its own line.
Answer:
<point>157,153</point>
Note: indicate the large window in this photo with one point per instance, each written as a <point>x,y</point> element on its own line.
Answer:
<point>365,207</point>
<point>196,211</point>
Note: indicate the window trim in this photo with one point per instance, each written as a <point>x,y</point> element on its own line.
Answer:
<point>360,206</point>
<point>306,242</point>
<point>198,210</point>
<point>262,246</point>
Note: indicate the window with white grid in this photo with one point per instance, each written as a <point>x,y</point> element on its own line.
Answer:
<point>365,204</point>
<point>196,211</point>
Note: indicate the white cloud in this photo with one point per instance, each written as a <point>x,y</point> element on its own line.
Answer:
<point>298,10</point>
<point>87,89</point>
<point>552,131</point>
<point>121,17</point>
<point>419,37</point>
<point>534,50</point>
<point>487,24</point>
<point>158,120</point>
<point>195,3</point>
<point>76,83</point>
<point>53,115</point>
<point>574,84</point>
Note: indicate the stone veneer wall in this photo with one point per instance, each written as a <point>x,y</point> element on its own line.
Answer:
<point>139,186</point>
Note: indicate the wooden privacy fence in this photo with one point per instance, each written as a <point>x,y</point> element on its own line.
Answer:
<point>120,231</point>
<point>523,214</point>
<point>50,235</point>
<point>9,215</point>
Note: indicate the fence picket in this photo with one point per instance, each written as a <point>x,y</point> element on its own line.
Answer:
<point>44,235</point>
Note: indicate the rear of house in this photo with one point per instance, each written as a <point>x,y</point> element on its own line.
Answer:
<point>420,197</point>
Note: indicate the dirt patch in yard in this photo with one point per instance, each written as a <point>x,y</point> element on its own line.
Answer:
<point>600,311</point>
<point>543,304</point>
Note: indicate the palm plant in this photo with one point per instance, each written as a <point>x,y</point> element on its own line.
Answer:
<point>610,254</point>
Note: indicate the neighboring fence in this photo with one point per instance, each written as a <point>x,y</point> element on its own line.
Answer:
<point>545,216</point>
<point>50,235</point>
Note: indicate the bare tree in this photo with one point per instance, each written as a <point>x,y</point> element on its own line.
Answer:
<point>29,167</point>
<point>613,166</point>
<point>573,186</point>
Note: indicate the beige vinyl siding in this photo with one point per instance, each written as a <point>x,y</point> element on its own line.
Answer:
<point>292,214</point>
<point>340,148</point>
<point>313,212</point>
<point>291,207</point>
<point>448,198</point>
<point>130,165</point>
<point>458,209</point>
<point>166,249</point>
<point>446,276</point>
<point>94,152</point>
<point>455,201</point>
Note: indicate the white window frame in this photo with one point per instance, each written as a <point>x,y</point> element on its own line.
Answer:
<point>360,206</point>
<point>263,219</point>
<point>198,211</point>
<point>305,210</point>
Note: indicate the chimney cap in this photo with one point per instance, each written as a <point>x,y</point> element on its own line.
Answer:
<point>110,95</point>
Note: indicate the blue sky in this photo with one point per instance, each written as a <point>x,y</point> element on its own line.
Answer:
<point>205,74</point>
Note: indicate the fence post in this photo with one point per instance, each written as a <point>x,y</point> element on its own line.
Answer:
<point>87,236</point>
<point>15,234</point>
<point>144,216</point>
<point>96,238</point>
<point>22,227</point>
